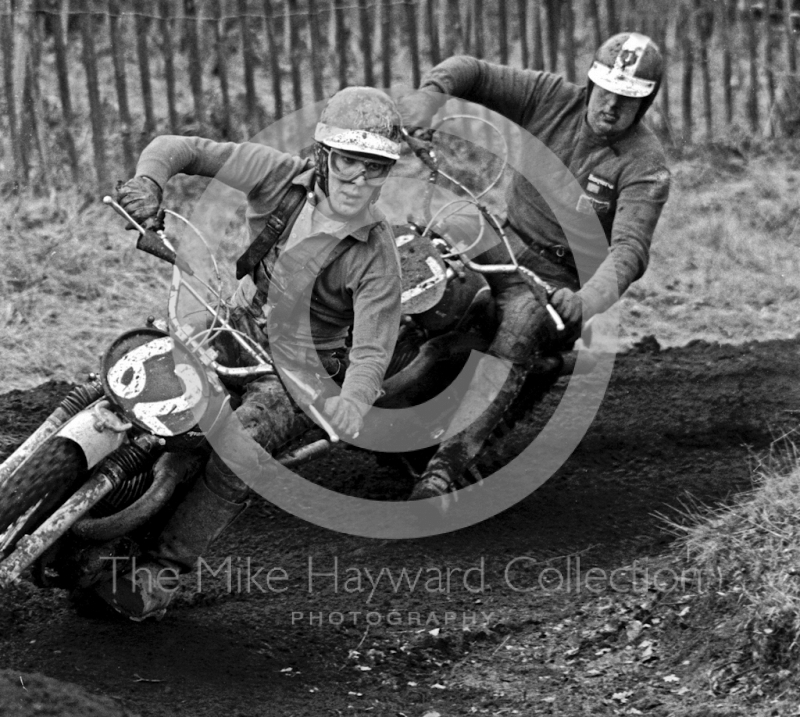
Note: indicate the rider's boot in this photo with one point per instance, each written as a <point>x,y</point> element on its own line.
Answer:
<point>212,504</point>
<point>492,390</point>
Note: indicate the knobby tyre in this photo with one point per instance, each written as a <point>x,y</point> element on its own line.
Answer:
<point>39,485</point>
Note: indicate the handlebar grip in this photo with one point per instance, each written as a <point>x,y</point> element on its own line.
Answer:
<point>150,242</point>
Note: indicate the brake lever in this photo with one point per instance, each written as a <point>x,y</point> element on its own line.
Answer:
<point>150,241</point>
<point>422,150</point>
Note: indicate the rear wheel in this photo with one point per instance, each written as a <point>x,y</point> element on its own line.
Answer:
<point>37,487</point>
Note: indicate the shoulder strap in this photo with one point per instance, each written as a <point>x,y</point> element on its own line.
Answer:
<point>276,224</point>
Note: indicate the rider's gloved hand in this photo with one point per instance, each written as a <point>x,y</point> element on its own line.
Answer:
<point>417,110</point>
<point>569,306</point>
<point>345,415</point>
<point>141,198</point>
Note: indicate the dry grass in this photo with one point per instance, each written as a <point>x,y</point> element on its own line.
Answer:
<point>749,553</point>
<point>725,261</point>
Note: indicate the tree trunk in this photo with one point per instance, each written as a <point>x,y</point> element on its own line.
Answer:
<point>169,63</point>
<point>195,63</point>
<point>661,24</point>
<point>386,43</point>
<point>95,108</point>
<point>120,82</point>
<point>413,42</point>
<point>273,52</point>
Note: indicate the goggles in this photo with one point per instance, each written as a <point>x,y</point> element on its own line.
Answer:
<point>348,167</point>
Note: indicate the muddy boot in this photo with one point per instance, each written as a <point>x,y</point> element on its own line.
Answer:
<point>147,589</point>
<point>495,385</point>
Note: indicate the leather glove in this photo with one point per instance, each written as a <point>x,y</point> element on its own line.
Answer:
<point>569,306</point>
<point>417,110</point>
<point>141,198</point>
<point>345,415</point>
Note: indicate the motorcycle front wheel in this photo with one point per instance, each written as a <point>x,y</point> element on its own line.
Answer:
<point>37,488</point>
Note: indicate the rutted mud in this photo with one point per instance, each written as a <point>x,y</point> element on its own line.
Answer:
<point>674,423</point>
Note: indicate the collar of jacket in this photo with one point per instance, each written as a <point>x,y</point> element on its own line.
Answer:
<point>363,223</point>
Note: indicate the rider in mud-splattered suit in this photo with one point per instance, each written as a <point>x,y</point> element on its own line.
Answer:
<point>335,229</point>
<point>622,181</point>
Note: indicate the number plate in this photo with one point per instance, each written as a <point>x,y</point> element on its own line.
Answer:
<point>157,382</point>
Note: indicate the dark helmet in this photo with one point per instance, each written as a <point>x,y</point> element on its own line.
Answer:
<point>628,64</point>
<point>357,119</point>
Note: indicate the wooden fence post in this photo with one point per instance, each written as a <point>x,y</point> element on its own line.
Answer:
<point>386,43</point>
<point>169,63</point>
<point>477,28</point>
<point>195,62</point>
<point>522,21</point>
<point>365,40</point>
<point>121,85</point>
<point>687,59</point>
<point>413,42</point>
<point>612,19</point>
<point>752,47</point>
<point>222,70</point>
<point>769,69</point>
<point>502,30</point>
<point>273,52</point>
<point>36,110</point>
<point>433,31</point>
<point>553,20</point>
<point>593,13</point>
<point>62,72</point>
<point>143,55</point>
<point>252,108</point>
<point>537,53</point>
<point>569,40</point>
<point>340,40</point>
<point>315,39</point>
<point>95,108</point>
<point>791,49</point>
<point>451,28</point>
<point>726,40</point>
<point>704,27</point>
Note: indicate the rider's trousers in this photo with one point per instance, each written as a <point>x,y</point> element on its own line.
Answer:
<point>525,332</point>
<point>266,419</point>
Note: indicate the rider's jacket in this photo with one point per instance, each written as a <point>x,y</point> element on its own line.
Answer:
<point>583,203</point>
<point>361,289</point>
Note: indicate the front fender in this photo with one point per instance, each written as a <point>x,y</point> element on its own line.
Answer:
<point>94,436</point>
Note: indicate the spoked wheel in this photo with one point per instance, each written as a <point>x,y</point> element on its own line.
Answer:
<point>37,487</point>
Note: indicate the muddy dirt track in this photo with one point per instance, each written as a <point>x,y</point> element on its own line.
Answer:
<point>674,422</point>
